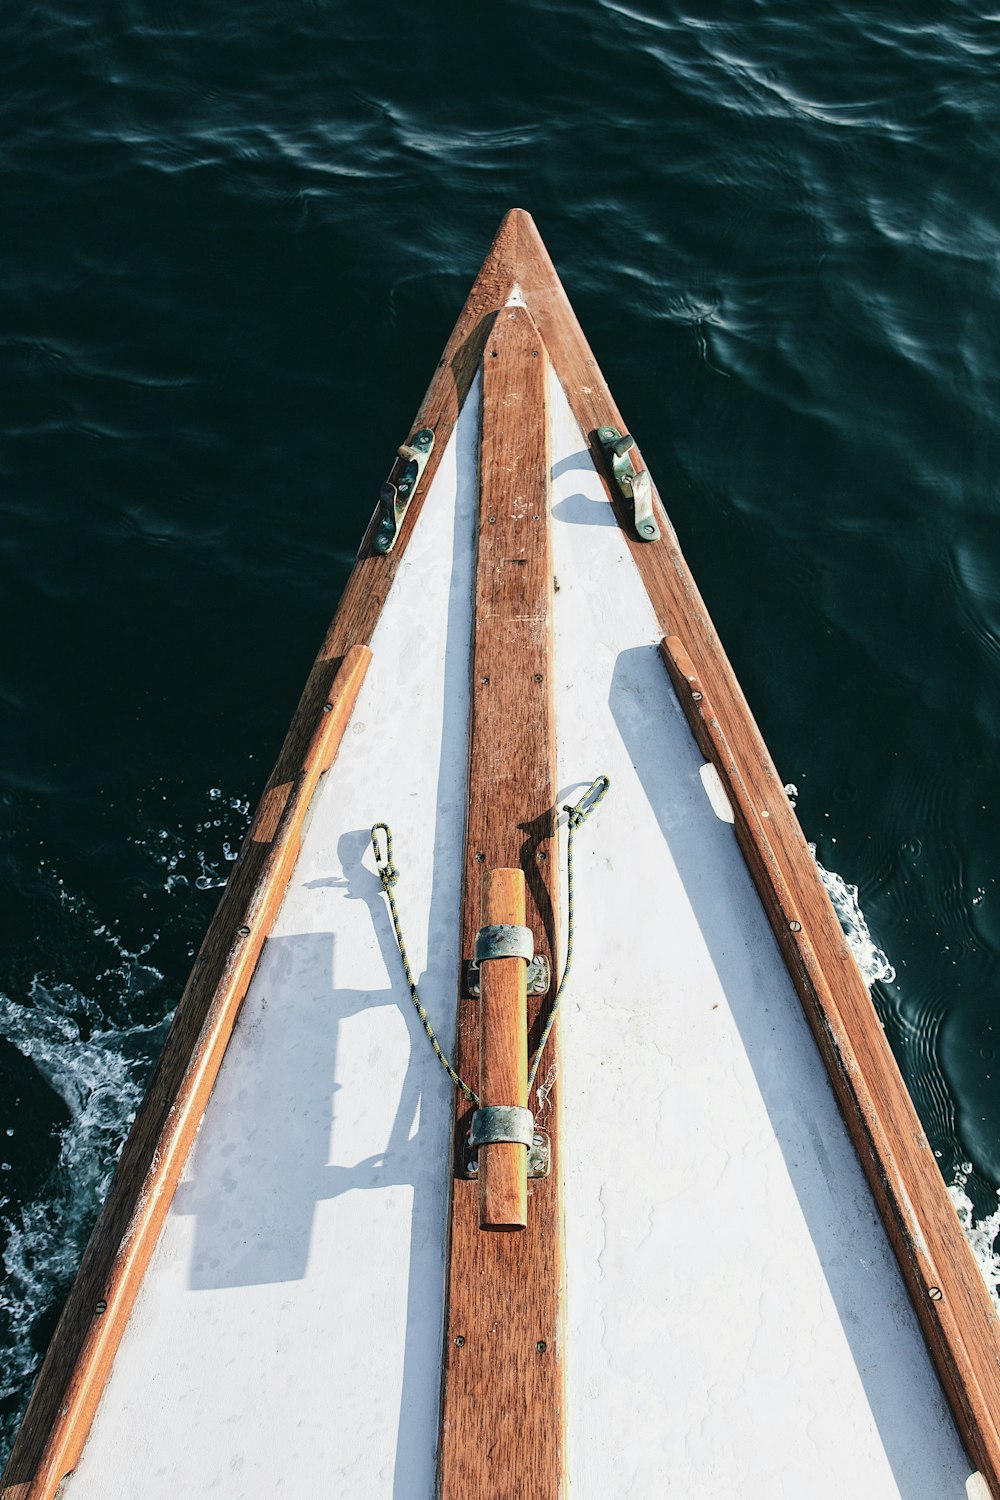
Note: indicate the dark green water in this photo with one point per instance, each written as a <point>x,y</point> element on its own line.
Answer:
<point>236,241</point>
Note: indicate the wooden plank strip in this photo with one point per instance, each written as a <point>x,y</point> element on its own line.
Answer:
<point>120,1249</point>
<point>502,1390</point>
<point>960,1326</point>
<point>43,1452</point>
<point>503,1056</point>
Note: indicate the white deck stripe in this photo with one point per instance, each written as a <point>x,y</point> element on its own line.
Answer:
<point>736,1325</point>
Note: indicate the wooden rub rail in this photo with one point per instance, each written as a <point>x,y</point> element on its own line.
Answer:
<point>941,1273</point>
<point>94,1318</point>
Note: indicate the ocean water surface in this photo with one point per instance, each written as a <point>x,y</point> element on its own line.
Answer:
<point>236,243</point>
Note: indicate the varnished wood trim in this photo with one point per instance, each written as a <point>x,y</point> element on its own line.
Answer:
<point>95,1316</point>
<point>961,1328</point>
<point>42,1454</point>
<point>503,1056</point>
<point>502,1378</point>
<point>269,810</point>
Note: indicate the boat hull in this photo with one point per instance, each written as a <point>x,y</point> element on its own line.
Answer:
<point>735,1321</point>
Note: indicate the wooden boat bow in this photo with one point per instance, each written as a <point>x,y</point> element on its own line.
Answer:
<point>503,1367</point>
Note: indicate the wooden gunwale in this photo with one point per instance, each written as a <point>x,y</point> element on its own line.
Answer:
<point>502,1386</point>
<point>960,1326</point>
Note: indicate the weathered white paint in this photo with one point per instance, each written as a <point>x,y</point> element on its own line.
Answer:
<point>735,1323</point>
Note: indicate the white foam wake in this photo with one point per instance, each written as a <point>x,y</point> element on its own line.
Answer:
<point>99,1073</point>
<point>982,1234</point>
<point>97,1064</point>
<point>873,963</point>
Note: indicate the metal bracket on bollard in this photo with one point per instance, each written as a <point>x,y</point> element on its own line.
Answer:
<point>503,940</point>
<point>539,1155</point>
<point>493,1123</point>
<point>539,976</point>
<point>506,941</point>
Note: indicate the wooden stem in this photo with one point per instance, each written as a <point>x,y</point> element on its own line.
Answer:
<point>503,1056</point>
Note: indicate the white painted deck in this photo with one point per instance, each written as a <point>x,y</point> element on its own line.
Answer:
<point>736,1326</point>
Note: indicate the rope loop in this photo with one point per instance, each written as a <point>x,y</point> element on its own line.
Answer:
<point>576,814</point>
<point>591,799</point>
<point>387,872</point>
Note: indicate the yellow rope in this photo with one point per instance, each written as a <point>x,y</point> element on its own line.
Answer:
<point>576,815</point>
<point>389,875</point>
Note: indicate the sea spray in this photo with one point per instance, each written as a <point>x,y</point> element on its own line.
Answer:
<point>93,1041</point>
<point>99,1072</point>
<point>187,858</point>
<point>873,963</point>
<point>982,1233</point>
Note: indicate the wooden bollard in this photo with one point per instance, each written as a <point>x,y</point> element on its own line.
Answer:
<point>503,1056</point>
